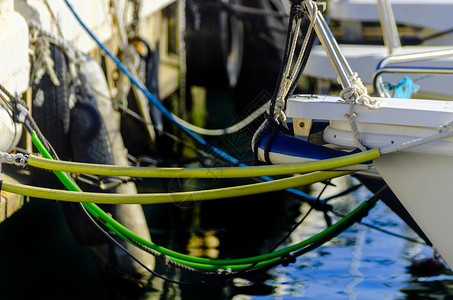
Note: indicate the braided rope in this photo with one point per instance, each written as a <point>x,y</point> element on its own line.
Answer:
<point>446,127</point>
<point>14,159</point>
<point>357,93</point>
<point>418,142</point>
<point>69,48</point>
<point>354,94</point>
<point>288,79</point>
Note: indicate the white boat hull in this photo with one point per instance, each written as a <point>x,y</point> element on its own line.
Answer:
<point>420,177</point>
<point>423,184</point>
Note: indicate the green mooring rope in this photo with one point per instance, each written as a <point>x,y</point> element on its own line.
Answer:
<point>206,264</point>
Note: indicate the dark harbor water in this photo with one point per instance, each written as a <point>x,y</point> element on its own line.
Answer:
<point>39,258</point>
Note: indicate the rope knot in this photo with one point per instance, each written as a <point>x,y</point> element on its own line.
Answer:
<point>357,93</point>
<point>18,159</point>
<point>279,114</point>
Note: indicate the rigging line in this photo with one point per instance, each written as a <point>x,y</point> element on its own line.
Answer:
<point>125,250</point>
<point>128,54</point>
<point>384,230</point>
<point>54,19</point>
<point>32,126</point>
<point>71,185</point>
<point>218,276</point>
<point>291,257</point>
<point>150,97</point>
<point>7,102</point>
<point>205,131</point>
<point>172,117</point>
<point>156,198</point>
<point>437,34</point>
<point>288,80</point>
<point>207,264</point>
<point>159,106</point>
<point>302,52</point>
<point>231,129</point>
<point>239,264</point>
<point>343,193</point>
<point>370,203</point>
<point>65,45</point>
<point>295,226</point>
<point>345,224</point>
<point>141,119</point>
<point>213,172</point>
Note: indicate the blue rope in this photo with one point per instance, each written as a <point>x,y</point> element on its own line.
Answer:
<point>153,101</point>
<point>150,97</point>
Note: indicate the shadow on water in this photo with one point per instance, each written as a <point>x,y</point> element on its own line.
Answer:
<point>39,258</point>
<point>427,289</point>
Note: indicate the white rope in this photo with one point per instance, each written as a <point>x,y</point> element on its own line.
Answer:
<point>234,128</point>
<point>351,116</point>
<point>71,49</point>
<point>357,94</point>
<point>288,80</point>
<point>68,47</point>
<point>57,24</point>
<point>14,159</point>
<point>417,142</point>
<point>43,63</point>
<point>71,52</point>
<point>446,127</point>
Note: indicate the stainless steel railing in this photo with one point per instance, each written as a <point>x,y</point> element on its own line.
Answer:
<point>382,67</point>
